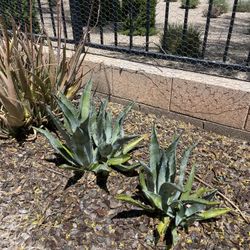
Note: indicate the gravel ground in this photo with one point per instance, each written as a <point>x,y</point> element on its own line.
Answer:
<point>37,213</point>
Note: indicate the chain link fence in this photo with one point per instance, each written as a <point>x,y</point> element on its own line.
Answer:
<point>210,36</point>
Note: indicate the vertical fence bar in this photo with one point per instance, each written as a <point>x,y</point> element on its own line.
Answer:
<point>230,30</point>
<point>131,28</point>
<point>40,11</point>
<point>52,17</point>
<point>248,59</point>
<point>147,23</point>
<point>76,22</point>
<point>64,20</point>
<point>101,22</point>
<point>164,39</point>
<point>115,22</point>
<point>204,45</point>
<point>185,24</point>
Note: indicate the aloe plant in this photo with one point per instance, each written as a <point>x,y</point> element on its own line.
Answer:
<point>91,140</point>
<point>166,194</point>
<point>30,75</point>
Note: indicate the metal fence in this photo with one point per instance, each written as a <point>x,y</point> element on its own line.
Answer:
<point>211,36</point>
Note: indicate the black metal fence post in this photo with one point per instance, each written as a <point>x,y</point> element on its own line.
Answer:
<point>76,21</point>
<point>230,31</point>
<point>204,45</point>
<point>185,24</point>
<point>164,39</point>
<point>147,23</point>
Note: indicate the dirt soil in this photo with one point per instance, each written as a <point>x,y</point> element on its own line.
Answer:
<point>37,213</point>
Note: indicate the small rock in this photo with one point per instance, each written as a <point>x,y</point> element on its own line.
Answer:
<point>114,204</point>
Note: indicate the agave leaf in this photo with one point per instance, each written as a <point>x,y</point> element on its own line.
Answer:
<point>99,168</point>
<point>155,155</point>
<point>211,213</point>
<point>162,227</point>
<point>69,112</point>
<point>58,146</point>
<point>194,208</point>
<point>189,184</point>
<point>180,216</point>
<point>105,150</point>
<point>168,189</point>
<point>78,148</point>
<point>171,156</point>
<point>183,164</point>
<point>154,199</point>
<point>68,167</point>
<point>121,143</point>
<point>59,126</point>
<point>100,128</point>
<point>126,168</point>
<point>200,192</point>
<point>175,237</point>
<point>118,160</point>
<point>210,195</point>
<point>85,101</point>
<point>108,127</point>
<point>199,201</point>
<point>118,131</point>
<point>142,181</point>
<point>162,170</point>
<point>129,199</point>
<point>130,146</point>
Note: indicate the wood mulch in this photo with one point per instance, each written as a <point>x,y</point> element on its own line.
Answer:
<point>37,213</point>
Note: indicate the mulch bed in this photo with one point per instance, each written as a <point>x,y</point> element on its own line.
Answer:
<point>37,213</point>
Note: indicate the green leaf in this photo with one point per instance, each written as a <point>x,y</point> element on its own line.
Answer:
<point>155,156</point>
<point>129,199</point>
<point>126,168</point>
<point>199,201</point>
<point>183,165</point>
<point>189,184</point>
<point>108,128</point>
<point>175,236</point>
<point>154,199</point>
<point>59,126</point>
<point>58,146</point>
<point>200,192</point>
<point>69,112</point>
<point>163,226</point>
<point>171,157</point>
<point>142,181</point>
<point>105,149</point>
<point>211,213</point>
<point>130,146</point>
<point>118,131</point>
<point>118,160</point>
<point>85,101</point>
<point>194,208</point>
<point>99,168</point>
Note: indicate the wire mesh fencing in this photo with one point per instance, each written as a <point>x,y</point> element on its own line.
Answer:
<point>211,36</point>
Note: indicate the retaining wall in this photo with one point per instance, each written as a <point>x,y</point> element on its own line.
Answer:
<point>213,103</point>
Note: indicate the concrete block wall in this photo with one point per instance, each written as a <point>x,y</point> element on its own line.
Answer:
<point>214,103</point>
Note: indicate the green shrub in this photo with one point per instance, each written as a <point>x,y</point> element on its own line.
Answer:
<point>192,4</point>
<point>219,7</point>
<point>243,6</point>
<point>91,140</point>
<point>138,10</point>
<point>30,75</point>
<point>20,12</point>
<point>165,194</point>
<point>108,10</point>
<point>174,43</point>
